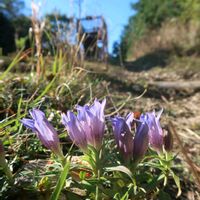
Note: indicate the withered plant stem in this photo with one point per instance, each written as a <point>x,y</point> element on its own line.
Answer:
<point>185,153</point>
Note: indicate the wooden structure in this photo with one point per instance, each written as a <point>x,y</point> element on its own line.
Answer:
<point>93,37</point>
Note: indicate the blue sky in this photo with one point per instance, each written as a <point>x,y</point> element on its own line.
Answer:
<point>116,12</point>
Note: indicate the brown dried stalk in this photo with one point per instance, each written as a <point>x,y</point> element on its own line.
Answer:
<point>38,27</point>
<point>185,154</point>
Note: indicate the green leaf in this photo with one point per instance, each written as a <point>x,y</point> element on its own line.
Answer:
<point>162,176</point>
<point>177,182</point>
<point>89,185</point>
<point>117,196</point>
<point>12,64</point>
<point>7,122</point>
<point>61,182</point>
<point>121,168</point>
<point>18,110</point>
<point>82,175</point>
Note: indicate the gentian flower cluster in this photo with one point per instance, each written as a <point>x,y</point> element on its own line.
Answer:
<point>130,147</point>
<point>87,128</point>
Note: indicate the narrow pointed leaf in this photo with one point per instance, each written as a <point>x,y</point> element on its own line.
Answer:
<point>60,184</point>
<point>121,168</point>
<point>177,182</point>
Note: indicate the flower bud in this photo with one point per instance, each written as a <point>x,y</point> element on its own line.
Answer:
<point>168,140</point>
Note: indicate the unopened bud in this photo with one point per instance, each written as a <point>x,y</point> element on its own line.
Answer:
<point>168,141</point>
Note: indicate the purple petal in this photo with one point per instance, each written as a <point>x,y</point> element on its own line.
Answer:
<point>141,141</point>
<point>29,123</point>
<point>103,104</point>
<point>97,109</point>
<point>44,130</point>
<point>129,120</point>
<point>37,114</point>
<point>123,137</point>
<point>75,130</point>
<point>155,130</point>
<point>81,110</point>
<point>96,132</point>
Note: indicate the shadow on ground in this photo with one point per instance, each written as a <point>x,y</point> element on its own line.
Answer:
<point>154,59</point>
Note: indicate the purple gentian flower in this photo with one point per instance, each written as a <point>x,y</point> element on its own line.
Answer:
<point>155,130</point>
<point>44,130</point>
<point>123,135</point>
<point>88,126</point>
<point>129,147</point>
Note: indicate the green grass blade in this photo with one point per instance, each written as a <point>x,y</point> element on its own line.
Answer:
<point>12,64</point>
<point>45,90</point>
<point>61,182</point>
<point>49,37</point>
<point>7,122</point>
<point>19,110</point>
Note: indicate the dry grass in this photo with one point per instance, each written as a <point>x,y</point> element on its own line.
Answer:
<point>173,35</point>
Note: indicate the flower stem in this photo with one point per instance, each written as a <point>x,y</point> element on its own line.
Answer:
<point>98,171</point>
<point>97,192</point>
